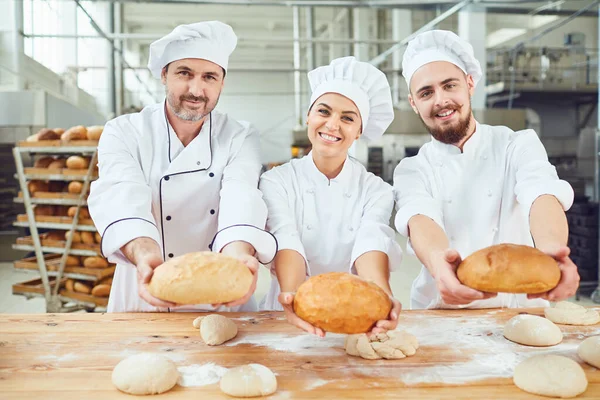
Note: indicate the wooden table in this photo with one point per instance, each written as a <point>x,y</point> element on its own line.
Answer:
<point>462,354</point>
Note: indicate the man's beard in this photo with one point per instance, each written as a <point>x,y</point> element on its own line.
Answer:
<point>450,134</point>
<point>189,115</point>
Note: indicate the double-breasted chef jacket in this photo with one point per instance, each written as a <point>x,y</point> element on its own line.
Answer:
<point>188,199</point>
<point>479,197</point>
<point>329,222</point>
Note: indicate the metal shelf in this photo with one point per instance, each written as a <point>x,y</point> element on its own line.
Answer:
<point>54,225</point>
<point>72,275</point>
<point>58,149</point>
<point>54,177</point>
<point>56,250</point>
<point>58,202</point>
<point>79,303</point>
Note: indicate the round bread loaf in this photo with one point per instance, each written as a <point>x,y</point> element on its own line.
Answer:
<point>201,278</point>
<point>83,213</point>
<point>47,134</point>
<point>101,290</point>
<point>77,162</point>
<point>87,238</point>
<point>76,236</point>
<point>95,262</point>
<point>59,131</point>
<point>43,162</point>
<point>72,261</point>
<point>75,187</point>
<point>75,133</point>
<point>37,186</point>
<point>509,268</point>
<point>341,303</point>
<point>82,287</point>
<point>94,132</point>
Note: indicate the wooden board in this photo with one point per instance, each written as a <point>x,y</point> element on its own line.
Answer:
<point>53,195</point>
<point>53,263</point>
<point>87,298</point>
<point>33,286</point>
<point>59,143</point>
<point>60,171</point>
<point>462,355</point>
<point>28,240</point>
<point>54,219</point>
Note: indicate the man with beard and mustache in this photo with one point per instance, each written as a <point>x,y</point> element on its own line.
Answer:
<point>179,177</point>
<point>473,185</point>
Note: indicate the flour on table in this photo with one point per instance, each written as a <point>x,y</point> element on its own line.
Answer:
<point>305,344</point>
<point>55,358</point>
<point>200,375</point>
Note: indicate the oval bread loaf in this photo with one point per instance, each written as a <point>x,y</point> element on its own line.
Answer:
<point>75,133</point>
<point>106,281</point>
<point>69,285</point>
<point>37,186</point>
<point>87,238</point>
<point>201,278</point>
<point>509,268</point>
<point>94,132</point>
<point>341,303</point>
<point>95,262</point>
<point>59,163</point>
<point>55,235</point>
<point>101,290</point>
<point>47,134</point>
<point>43,162</point>
<point>76,236</point>
<point>72,261</point>
<point>97,237</point>
<point>82,287</point>
<point>77,162</point>
<point>75,187</point>
<point>83,213</point>
<point>59,131</point>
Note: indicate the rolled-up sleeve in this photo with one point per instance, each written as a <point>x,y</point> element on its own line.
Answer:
<point>413,195</point>
<point>535,176</point>
<point>281,220</point>
<point>243,212</point>
<point>120,200</point>
<point>374,232</point>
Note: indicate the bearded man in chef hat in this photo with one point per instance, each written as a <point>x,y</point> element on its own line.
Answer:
<point>472,185</point>
<point>179,177</point>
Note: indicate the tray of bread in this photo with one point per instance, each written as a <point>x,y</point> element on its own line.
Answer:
<point>82,240</point>
<point>88,292</point>
<point>93,268</point>
<point>76,136</point>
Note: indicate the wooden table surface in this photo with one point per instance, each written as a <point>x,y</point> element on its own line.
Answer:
<point>462,354</point>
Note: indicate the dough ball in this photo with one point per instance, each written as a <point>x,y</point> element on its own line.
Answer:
<point>250,380</point>
<point>571,314</point>
<point>145,374</point>
<point>550,375</point>
<point>589,351</point>
<point>216,329</point>
<point>196,323</point>
<point>393,345</point>
<point>532,330</point>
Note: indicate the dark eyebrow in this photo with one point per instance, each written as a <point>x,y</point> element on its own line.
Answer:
<point>343,112</point>
<point>184,68</point>
<point>212,73</point>
<point>444,82</point>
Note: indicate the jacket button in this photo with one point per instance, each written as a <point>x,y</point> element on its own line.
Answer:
<point>198,163</point>
<point>170,255</point>
<point>309,227</point>
<point>212,211</point>
<point>348,195</point>
<point>166,178</point>
<point>211,174</point>
<point>489,193</point>
<point>168,217</point>
<point>351,229</point>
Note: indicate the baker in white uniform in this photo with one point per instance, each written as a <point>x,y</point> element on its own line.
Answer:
<point>180,177</point>
<point>472,185</point>
<point>327,212</point>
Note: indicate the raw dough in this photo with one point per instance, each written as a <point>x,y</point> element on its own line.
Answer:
<point>571,314</point>
<point>532,330</point>
<point>589,351</point>
<point>145,374</point>
<point>550,375</point>
<point>250,380</point>
<point>393,345</point>
<point>196,323</point>
<point>216,329</point>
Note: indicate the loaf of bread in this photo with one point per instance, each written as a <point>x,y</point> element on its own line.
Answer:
<point>341,303</point>
<point>201,278</point>
<point>75,187</point>
<point>77,162</point>
<point>61,211</point>
<point>55,235</point>
<point>509,268</point>
<point>59,131</point>
<point>37,186</point>
<point>59,163</point>
<point>94,132</point>
<point>73,261</point>
<point>82,287</point>
<point>83,213</point>
<point>43,162</point>
<point>56,186</point>
<point>43,209</point>
<point>75,133</point>
<point>95,262</point>
<point>107,281</point>
<point>87,238</point>
<point>69,285</point>
<point>47,134</point>
<point>97,237</point>
<point>101,290</point>
<point>76,236</point>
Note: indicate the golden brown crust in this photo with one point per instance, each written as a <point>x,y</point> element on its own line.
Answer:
<point>77,162</point>
<point>95,262</point>
<point>47,134</point>
<point>37,186</point>
<point>75,133</point>
<point>72,261</point>
<point>75,187</point>
<point>76,236</point>
<point>94,132</point>
<point>43,162</point>
<point>342,303</point>
<point>82,287</point>
<point>201,278</point>
<point>509,268</point>
<point>101,290</point>
<point>69,285</point>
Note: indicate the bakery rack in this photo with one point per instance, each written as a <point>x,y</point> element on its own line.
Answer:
<point>51,256</point>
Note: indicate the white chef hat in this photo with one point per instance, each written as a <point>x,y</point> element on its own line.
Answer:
<point>362,83</point>
<point>210,40</point>
<point>438,45</point>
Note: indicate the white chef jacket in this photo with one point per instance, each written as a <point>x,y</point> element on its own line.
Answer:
<point>188,199</point>
<point>329,222</point>
<point>480,197</point>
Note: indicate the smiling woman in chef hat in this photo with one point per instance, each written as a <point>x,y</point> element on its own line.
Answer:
<point>327,212</point>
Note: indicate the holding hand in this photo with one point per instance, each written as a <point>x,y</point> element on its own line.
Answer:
<point>145,269</point>
<point>389,324</point>
<point>569,277</point>
<point>287,301</point>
